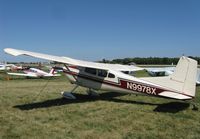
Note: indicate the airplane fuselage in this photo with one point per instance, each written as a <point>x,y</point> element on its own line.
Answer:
<point>111,81</point>
<point>33,72</point>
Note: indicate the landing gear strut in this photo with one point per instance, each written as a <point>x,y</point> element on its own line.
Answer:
<point>92,93</point>
<point>69,95</point>
<point>194,107</point>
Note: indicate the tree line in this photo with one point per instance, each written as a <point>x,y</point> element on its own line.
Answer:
<point>147,60</point>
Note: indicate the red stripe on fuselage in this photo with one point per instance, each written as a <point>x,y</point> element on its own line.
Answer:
<point>122,83</point>
<point>73,67</point>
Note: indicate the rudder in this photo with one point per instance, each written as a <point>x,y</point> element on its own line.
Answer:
<point>185,72</point>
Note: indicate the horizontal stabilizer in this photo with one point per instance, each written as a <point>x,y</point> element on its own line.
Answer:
<point>174,95</point>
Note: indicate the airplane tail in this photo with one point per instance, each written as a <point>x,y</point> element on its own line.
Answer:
<point>186,72</point>
<point>182,82</point>
<point>52,71</point>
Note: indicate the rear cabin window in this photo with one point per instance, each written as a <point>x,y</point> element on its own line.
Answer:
<point>110,75</point>
<point>91,71</point>
<point>102,73</point>
<point>33,71</point>
<point>126,72</point>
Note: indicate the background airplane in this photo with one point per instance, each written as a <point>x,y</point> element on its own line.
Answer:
<point>166,71</point>
<point>7,66</point>
<point>2,67</point>
<point>36,73</point>
<point>14,67</point>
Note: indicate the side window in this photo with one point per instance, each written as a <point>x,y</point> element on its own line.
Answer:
<point>102,73</point>
<point>34,71</point>
<point>110,75</point>
<point>81,68</point>
<point>126,72</point>
<point>91,71</point>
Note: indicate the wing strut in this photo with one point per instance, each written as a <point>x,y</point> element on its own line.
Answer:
<point>70,70</point>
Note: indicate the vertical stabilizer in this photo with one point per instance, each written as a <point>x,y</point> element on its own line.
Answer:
<point>52,71</point>
<point>185,73</point>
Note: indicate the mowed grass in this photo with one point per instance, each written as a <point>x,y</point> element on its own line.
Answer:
<point>34,108</point>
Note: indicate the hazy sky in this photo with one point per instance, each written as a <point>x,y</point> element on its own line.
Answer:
<point>97,29</point>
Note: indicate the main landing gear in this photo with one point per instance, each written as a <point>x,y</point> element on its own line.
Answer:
<point>194,106</point>
<point>92,93</point>
<point>69,95</point>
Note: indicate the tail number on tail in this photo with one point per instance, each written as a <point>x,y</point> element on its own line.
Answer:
<point>141,88</point>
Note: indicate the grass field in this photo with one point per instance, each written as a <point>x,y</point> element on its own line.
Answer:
<point>34,108</point>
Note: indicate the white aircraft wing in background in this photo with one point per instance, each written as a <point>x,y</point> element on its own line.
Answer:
<point>21,74</point>
<point>165,71</point>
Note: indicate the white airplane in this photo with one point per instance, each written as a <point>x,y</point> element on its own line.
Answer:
<point>14,67</point>
<point>5,66</point>
<point>2,67</point>
<point>168,71</point>
<point>35,73</point>
<point>180,85</point>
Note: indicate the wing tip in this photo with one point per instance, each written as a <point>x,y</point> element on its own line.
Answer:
<point>12,51</point>
<point>7,49</point>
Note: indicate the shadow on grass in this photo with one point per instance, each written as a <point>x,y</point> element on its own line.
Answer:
<point>171,107</point>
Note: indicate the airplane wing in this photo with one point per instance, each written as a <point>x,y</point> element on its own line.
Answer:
<point>160,71</point>
<point>70,61</point>
<point>155,69</point>
<point>54,75</point>
<point>21,74</point>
